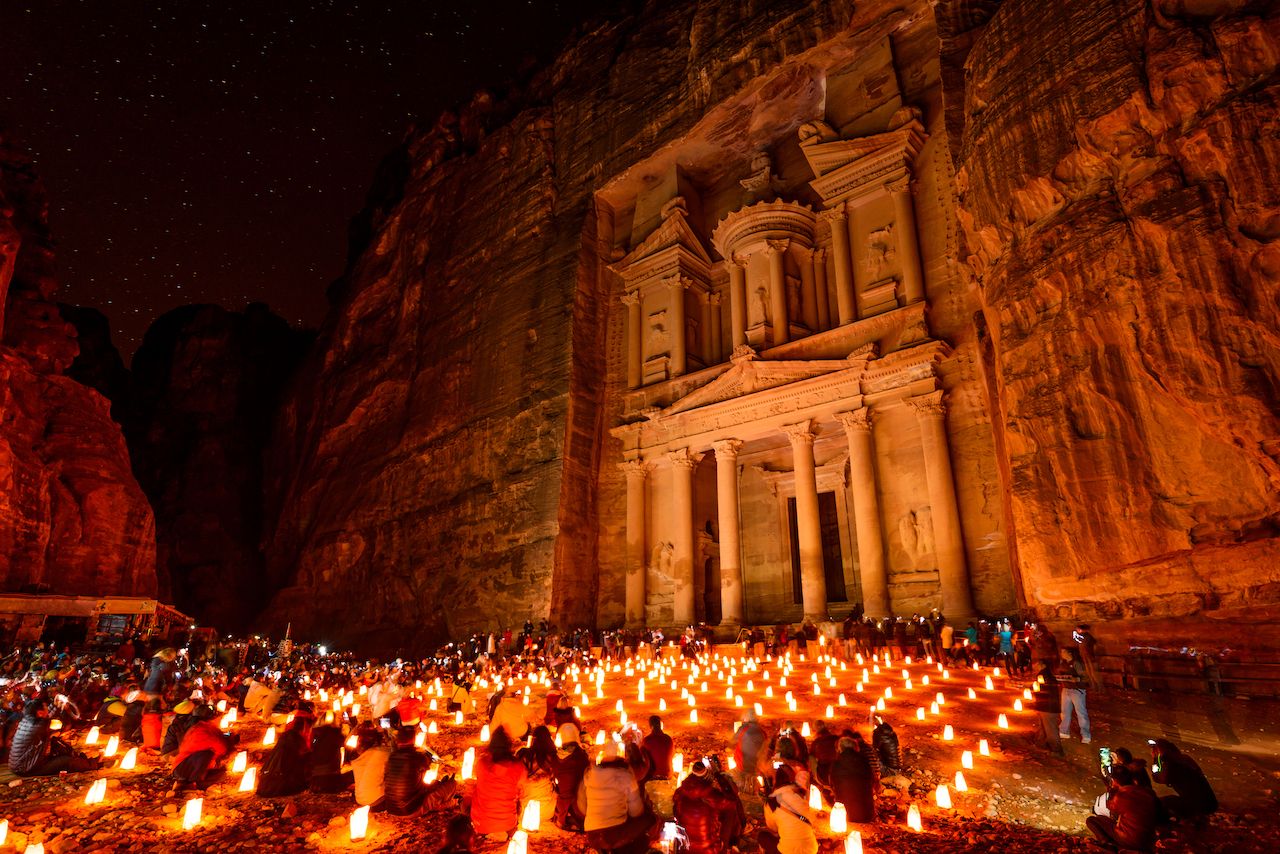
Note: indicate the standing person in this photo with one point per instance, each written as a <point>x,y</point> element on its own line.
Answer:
<point>946,638</point>
<point>1087,646</point>
<point>1048,706</point>
<point>788,818</point>
<point>1070,676</point>
<point>500,786</point>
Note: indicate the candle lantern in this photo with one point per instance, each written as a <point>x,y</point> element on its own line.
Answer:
<point>966,760</point>
<point>947,733</point>
<point>1003,723</point>
<point>913,819</point>
<point>983,748</point>
<point>815,798</point>
<point>130,760</point>
<point>943,796</point>
<point>191,815</point>
<point>532,816</point>
<point>359,824</point>
<point>269,737</point>
<point>97,792</point>
<point>92,737</point>
<point>240,763</point>
<point>484,734</point>
<point>249,781</point>
<point>839,819</point>
<point>853,843</point>
<point>468,763</point>
<point>519,843</point>
<point>113,745</point>
<point>961,785</point>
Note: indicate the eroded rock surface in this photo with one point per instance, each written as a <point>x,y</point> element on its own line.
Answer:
<point>1120,201</point>
<point>72,518</point>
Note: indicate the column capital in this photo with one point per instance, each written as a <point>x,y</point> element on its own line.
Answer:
<point>684,458</point>
<point>632,298</point>
<point>820,255</point>
<point>834,215</point>
<point>798,434</point>
<point>928,405</point>
<point>704,297</point>
<point>637,469</point>
<point>680,282</point>
<point>857,421</point>
<point>778,245</point>
<point>715,298</point>
<point>727,448</point>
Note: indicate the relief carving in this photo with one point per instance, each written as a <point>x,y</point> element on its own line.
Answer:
<point>881,250</point>
<point>658,341</point>
<point>663,560</point>
<point>915,530</point>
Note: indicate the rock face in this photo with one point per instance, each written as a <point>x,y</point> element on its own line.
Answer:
<point>72,518</point>
<point>204,388</point>
<point>1120,203</point>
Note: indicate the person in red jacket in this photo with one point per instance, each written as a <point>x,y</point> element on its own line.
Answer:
<point>500,788</point>
<point>698,806</point>
<point>1132,823</point>
<point>660,748</point>
<point>202,751</point>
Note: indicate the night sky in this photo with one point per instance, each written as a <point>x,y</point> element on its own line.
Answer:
<point>214,152</point>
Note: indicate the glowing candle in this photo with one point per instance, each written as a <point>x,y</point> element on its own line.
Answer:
<point>913,819</point>
<point>839,819</point>
<point>240,763</point>
<point>880,704</point>
<point>831,712</point>
<point>947,733</point>
<point>907,685</point>
<point>983,749</point>
<point>432,728</point>
<point>269,737</point>
<point>97,792</point>
<point>1003,723</point>
<point>840,701</point>
<point>92,737</point>
<point>130,760</point>
<point>113,745</point>
<point>939,699</point>
<point>961,785</point>
<point>990,685</point>
<point>853,844</point>
<point>468,763</point>
<point>924,680</point>
<point>693,716</point>
<point>430,777</point>
<point>966,760</point>
<point>359,824</point>
<point>1017,705</point>
<point>920,713</point>
<point>4,830</point>
<point>933,708</point>
<point>815,798</point>
<point>457,718</point>
<point>532,816</point>
<point>662,705</point>
<point>249,781</point>
<point>191,815</point>
<point>519,843</point>
<point>484,734</point>
<point>34,848</point>
<point>804,729</point>
<point>943,796</point>
<point>973,695</point>
<point>1026,694</point>
<point>600,737</point>
<point>677,762</point>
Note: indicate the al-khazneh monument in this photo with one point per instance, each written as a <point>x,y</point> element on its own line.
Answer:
<point>744,312</point>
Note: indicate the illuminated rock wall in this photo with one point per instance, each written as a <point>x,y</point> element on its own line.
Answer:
<point>1120,202</point>
<point>72,518</point>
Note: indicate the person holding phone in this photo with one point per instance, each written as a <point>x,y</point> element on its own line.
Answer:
<point>1130,822</point>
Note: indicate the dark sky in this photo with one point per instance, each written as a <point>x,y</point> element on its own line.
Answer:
<point>214,152</point>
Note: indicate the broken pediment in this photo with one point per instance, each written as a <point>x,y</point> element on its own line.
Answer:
<point>673,241</point>
<point>849,168</point>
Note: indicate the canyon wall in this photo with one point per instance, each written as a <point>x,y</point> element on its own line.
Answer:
<point>72,518</point>
<point>1119,176</point>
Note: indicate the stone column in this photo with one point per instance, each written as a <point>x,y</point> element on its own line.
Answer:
<point>776,249</point>
<point>953,571</point>
<point>717,329</point>
<point>737,301</point>
<point>808,291</point>
<point>904,216</point>
<point>704,328</point>
<point>866,512</point>
<point>679,333</point>
<point>813,576</point>
<point>682,537</point>
<point>635,341</point>
<point>731,583</point>
<point>637,471</point>
<point>837,219</point>
<point>820,287</point>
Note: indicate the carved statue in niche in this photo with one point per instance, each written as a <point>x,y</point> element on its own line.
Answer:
<point>761,178</point>
<point>793,297</point>
<point>881,250</point>
<point>760,304</point>
<point>915,529</point>
<point>659,341</point>
<point>663,560</point>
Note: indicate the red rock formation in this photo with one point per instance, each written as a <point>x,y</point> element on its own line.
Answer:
<point>1120,202</point>
<point>72,518</point>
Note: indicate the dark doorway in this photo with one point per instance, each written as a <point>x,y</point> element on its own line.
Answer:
<point>832,560</point>
<point>711,605</point>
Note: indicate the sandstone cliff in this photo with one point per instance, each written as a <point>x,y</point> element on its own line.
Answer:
<point>72,518</point>
<point>1120,203</point>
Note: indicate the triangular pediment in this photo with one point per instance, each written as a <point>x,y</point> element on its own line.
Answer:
<point>673,233</point>
<point>750,375</point>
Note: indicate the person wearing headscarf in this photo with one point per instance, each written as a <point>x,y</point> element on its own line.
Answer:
<point>853,781</point>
